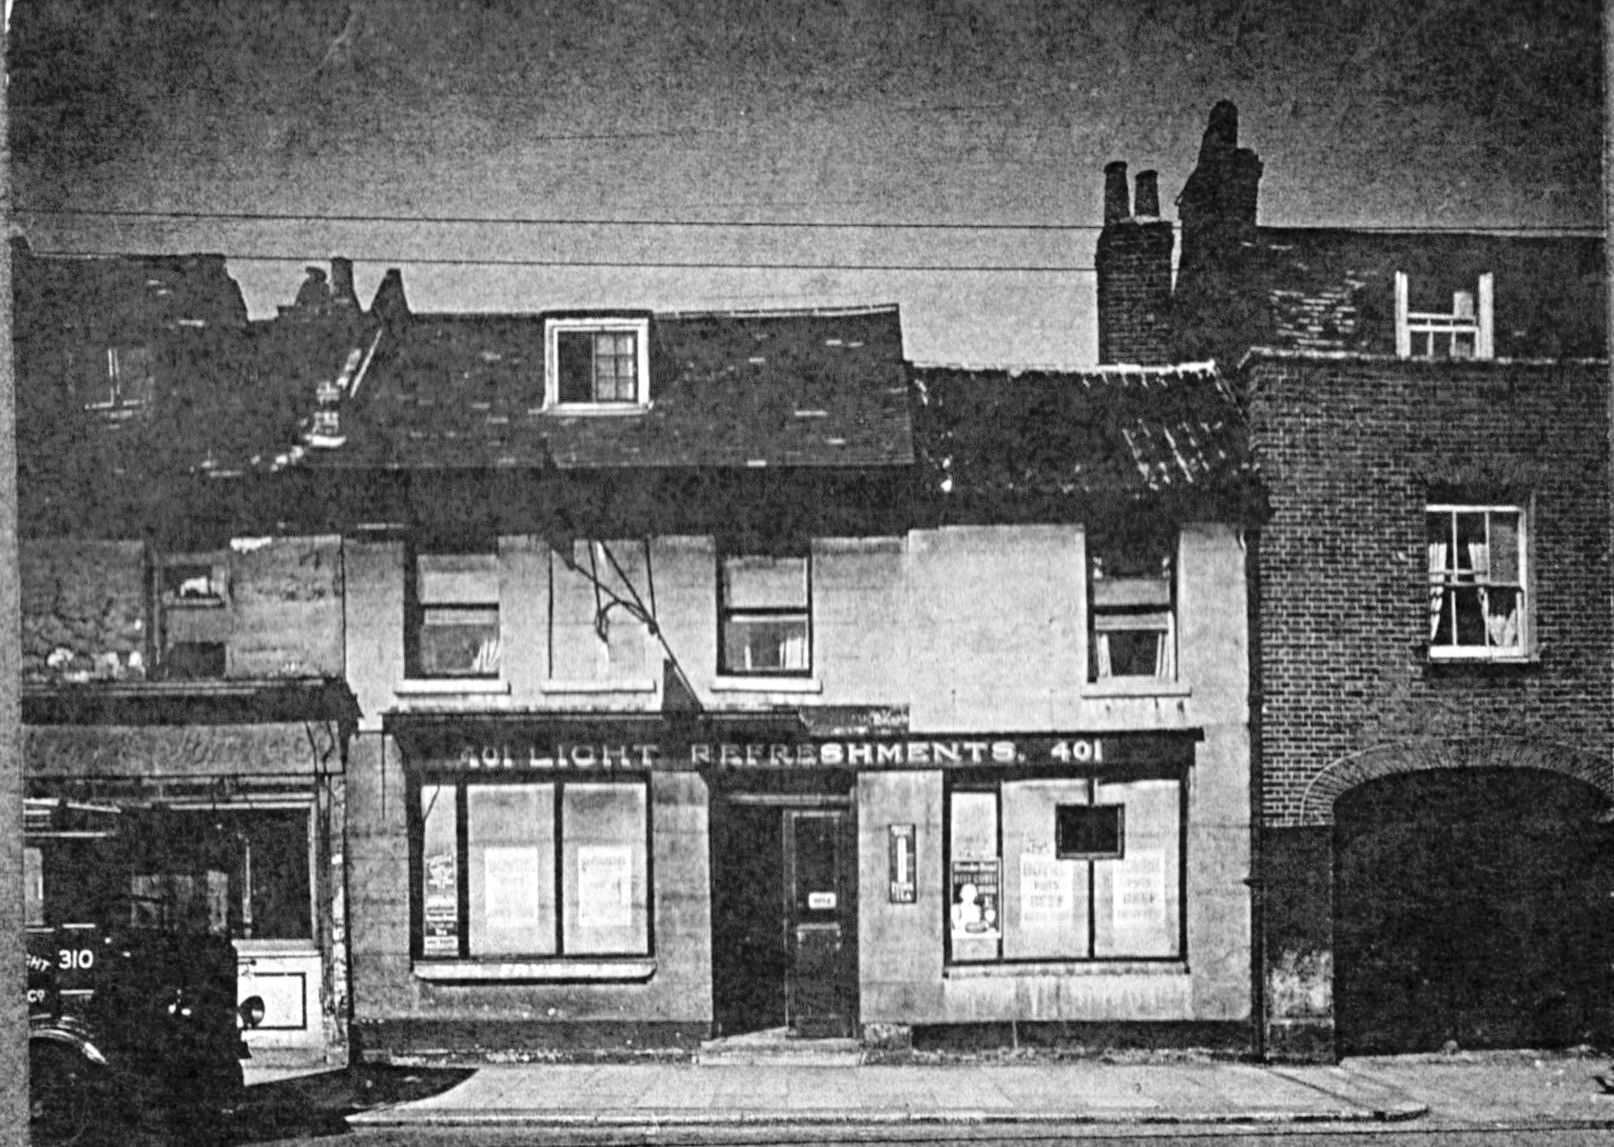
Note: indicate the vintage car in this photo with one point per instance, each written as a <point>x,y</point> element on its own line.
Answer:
<point>132,1011</point>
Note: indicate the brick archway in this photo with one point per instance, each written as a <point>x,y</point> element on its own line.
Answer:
<point>1344,774</point>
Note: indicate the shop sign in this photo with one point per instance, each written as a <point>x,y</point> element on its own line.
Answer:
<point>867,753</point>
<point>904,870</point>
<point>974,900</point>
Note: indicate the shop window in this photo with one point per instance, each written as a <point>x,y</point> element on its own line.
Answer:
<point>601,364</point>
<point>1132,619</point>
<point>1430,324</point>
<point>452,627</point>
<point>765,614</point>
<point>533,870</point>
<point>1478,581</point>
<point>1065,869</point>
<point>595,631</point>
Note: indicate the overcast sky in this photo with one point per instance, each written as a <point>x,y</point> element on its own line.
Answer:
<point>964,134</point>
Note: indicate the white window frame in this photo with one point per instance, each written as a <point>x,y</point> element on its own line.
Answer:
<point>638,327</point>
<point>1470,314</point>
<point>117,394</point>
<point>1517,652</point>
<point>1116,617</point>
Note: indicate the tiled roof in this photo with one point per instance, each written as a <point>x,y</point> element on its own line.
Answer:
<point>795,389</point>
<point>998,439</point>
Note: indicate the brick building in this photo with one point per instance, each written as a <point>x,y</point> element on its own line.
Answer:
<point>1434,647</point>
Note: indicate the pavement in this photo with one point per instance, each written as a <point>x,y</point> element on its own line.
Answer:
<point>1491,1090</point>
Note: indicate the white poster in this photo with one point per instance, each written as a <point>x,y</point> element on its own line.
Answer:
<point>604,886</point>
<point>1138,903</point>
<point>1046,897</point>
<point>510,885</point>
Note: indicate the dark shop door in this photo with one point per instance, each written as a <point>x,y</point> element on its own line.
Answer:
<point>784,915</point>
<point>821,922</point>
<point>1472,906</point>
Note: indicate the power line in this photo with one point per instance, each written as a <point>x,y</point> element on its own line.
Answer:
<point>542,221</point>
<point>636,264</point>
<point>747,224</point>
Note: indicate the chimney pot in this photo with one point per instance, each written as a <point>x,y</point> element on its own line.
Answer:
<point>1146,204</point>
<point>1116,206</point>
<point>342,293</point>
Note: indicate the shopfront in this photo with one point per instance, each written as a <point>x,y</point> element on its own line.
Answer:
<point>660,883</point>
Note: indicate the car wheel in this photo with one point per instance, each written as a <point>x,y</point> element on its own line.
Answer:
<point>62,1103</point>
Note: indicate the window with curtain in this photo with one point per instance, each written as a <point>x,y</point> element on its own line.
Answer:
<point>1478,581</point>
<point>765,614</point>
<point>1132,621</point>
<point>453,622</point>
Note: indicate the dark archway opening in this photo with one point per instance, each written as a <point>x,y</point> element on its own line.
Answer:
<point>1472,906</point>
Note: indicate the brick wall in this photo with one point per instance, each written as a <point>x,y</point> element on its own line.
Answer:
<point>1350,449</point>
<point>1134,293</point>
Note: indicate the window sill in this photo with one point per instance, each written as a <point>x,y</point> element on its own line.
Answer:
<point>1166,966</point>
<point>645,685</point>
<point>597,409</point>
<point>767,685</point>
<point>449,686</point>
<point>530,971</point>
<point>1136,687</point>
<point>1472,666</point>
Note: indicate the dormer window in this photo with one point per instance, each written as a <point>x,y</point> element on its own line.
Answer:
<point>597,364</point>
<point>1464,331</point>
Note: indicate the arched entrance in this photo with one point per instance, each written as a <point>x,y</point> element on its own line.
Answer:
<point>1472,905</point>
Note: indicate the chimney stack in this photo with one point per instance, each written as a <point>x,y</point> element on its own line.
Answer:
<point>1116,207</point>
<point>390,304</point>
<point>343,297</point>
<point>1134,273</point>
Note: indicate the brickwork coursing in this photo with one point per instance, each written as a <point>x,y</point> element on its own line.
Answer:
<point>1134,293</point>
<point>1351,449</point>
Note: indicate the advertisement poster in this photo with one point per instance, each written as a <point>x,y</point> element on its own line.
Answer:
<point>974,900</point>
<point>1138,903</point>
<point>510,885</point>
<point>605,886</point>
<point>904,875</point>
<point>442,916</point>
<point>1046,898</point>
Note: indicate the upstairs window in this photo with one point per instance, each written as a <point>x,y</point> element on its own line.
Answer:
<point>124,384</point>
<point>1478,581</point>
<point>765,614</point>
<point>453,624</point>
<point>195,620</point>
<point>1132,617</point>
<point>1425,328</point>
<point>598,364</point>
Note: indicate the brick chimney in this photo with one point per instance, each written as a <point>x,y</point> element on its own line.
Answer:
<point>390,305</point>
<point>1134,273</point>
<point>1217,209</point>
<point>343,297</point>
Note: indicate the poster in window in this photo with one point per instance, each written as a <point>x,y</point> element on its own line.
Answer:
<point>510,885</point>
<point>1139,900</point>
<point>975,885</point>
<point>442,907</point>
<point>1046,897</point>
<point>604,886</point>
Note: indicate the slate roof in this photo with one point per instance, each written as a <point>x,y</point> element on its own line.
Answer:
<point>823,388</point>
<point>1326,289</point>
<point>996,440</point>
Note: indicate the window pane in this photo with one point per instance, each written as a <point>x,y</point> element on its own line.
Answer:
<point>975,880</point>
<point>440,871</point>
<point>575,361</point>
<point>759,582</point>
<point>607,885</point>
<point>510,856</point>
<point>1505,548</point>
<point>1138,899</point>
<point>1470,615</point>
<point>459,641</point>
<point>764,644</point>
<point>457,579</point>
<point>33,880</point>
<point>1044,898</point>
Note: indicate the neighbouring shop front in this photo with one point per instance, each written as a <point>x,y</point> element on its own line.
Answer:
<point>230,801</point>
<point>657,882</point>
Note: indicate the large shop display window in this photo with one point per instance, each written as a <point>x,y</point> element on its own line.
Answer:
<point>517,870</point>
<point>1065,869</point>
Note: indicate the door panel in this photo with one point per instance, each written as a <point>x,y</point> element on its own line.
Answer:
<point>821,922</point>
